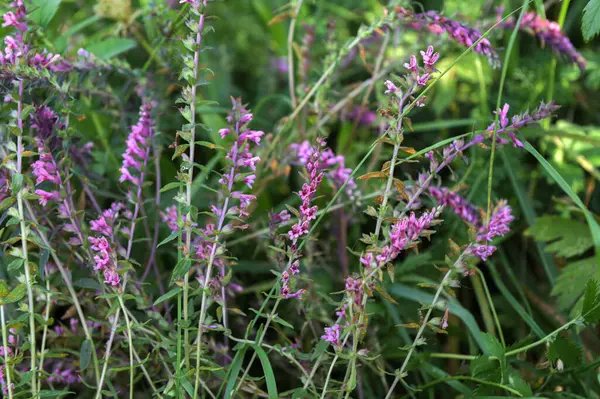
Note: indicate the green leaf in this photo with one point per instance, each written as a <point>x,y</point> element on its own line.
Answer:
<point>17,182</point>
<point>85,354</point>
<point>43,11</point>
<point>592,223</point>
<point>3,289</point>
<point>571,283</point>
<point>15,295</point>
<point>234,371</point>
<point>181,268</point>
<point>170,186</point>
<point>111,47</point>
<point>519,384</point>
<point>565,350</point>
<point>88,283</point>
<point>171,237</point>
<point>590,23</point>
<point>568,237</point>
<point>267,371</point>
<point>590,310</point>
<point>168,295</point>
<point>45,393</point>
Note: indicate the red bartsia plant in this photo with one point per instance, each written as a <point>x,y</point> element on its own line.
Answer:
<point>74,229</point>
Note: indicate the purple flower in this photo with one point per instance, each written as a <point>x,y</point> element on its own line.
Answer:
<point>170,217</point>
<point>391,87</point>
<point>467,211</point>
<point>332,335</point>
<point>412,65</point>
<point>47,196</point>
<point>519,121</point>
<point>437,24</point>
<point>16,18</point>
<point>429,58</point>
<point>548,32</point>
<point>138,147</point>
<point>327,160</point>
<point>499,223</point>
<point>105,260</point>
<point>482,251</point>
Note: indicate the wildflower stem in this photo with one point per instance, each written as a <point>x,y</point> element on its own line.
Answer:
<point>400,372</point>
<point>67,280</point>
<point>45,333</point>
<point>5,344</point>
<point>130,340</point>
<point>213,252</point>
<point>188,188</point>
<point>258,342</point>
<point>290,57</point>
<point>491,305</point>
<point>509,49</point>
<point>335,358</point>
<point>24,230</point>
<point>113,330</point>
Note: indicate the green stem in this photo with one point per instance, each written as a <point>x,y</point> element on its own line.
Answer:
<point>400,372</point>
<point>24,230</point>
<point>130,341</point>
<point>492,307</point>
<point>511,43</point>
<point>484,304</point>
<point>259,342</point>
<point>476,380</point>
<point>45,333</point>
<point>7,371</point>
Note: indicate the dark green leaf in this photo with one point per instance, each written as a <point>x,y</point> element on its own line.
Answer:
<point>43,11</point>
<point>168,295</point>
<point>590,23</point>
<point>85,354</point>
<point>111,47</point>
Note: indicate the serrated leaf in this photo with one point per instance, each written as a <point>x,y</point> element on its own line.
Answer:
<point>571,283</point>
<point>590,310</point>
<point>590,22</point>
<point>568,237</point>
<point>518,383</point>
<point>565,350</point>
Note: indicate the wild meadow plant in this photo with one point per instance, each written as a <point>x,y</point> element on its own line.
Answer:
<point>157,242</point>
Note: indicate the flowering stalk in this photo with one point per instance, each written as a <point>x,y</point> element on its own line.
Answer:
<point>299,229</point>
<point>438,24</point>
<point>24,231</point>
<point>240,157</point>
<point>497,227</point>
<point>135,158</point>
<point>548,32</point>
<point>192,44</point>
<point>415,78</point>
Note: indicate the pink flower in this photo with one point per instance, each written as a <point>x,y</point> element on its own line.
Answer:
<point>46,196</point>
<point>332,335</point>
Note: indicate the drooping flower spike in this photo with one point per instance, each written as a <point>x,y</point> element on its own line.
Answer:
<point>437,24</point>
<point>548,32</point>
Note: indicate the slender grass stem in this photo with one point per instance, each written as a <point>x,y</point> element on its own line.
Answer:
<point>400,373</point>
<point>7,371</point>
<point>24,249</point>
